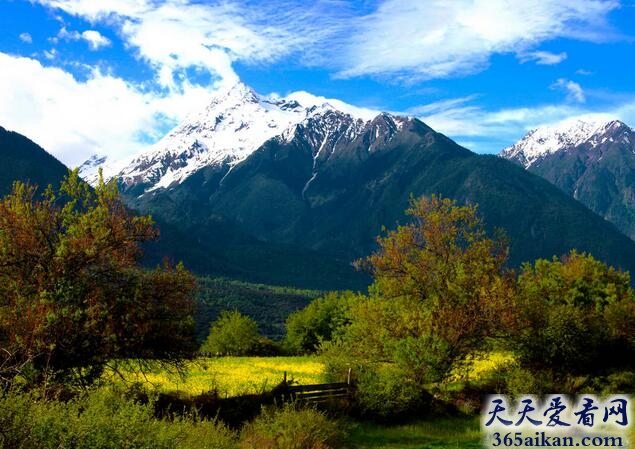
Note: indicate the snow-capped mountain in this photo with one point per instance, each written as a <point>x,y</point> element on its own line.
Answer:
<point>541,142</point>
<point>235,123</point>
<point>594,162</point>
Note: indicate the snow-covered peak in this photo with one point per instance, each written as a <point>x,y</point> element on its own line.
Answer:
<point>545,140</point>
<point>90,168</point>
<point>235,123</point>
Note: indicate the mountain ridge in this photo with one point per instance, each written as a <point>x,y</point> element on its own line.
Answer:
<point>24,160</point>
<point>232,126</point>
<point>596,168</point>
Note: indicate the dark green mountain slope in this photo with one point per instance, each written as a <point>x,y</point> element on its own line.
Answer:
<point>328,191</point>
<point>24,160</point>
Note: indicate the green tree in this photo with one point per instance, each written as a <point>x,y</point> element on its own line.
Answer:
<point>233,334</point>
<point>318,322</point>
<point>72,295</point>
<point>576,315</point>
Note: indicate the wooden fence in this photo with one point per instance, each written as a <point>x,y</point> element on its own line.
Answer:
<point>316,393</point>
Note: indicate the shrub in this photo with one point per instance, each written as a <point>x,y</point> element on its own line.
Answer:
<point>576,316</point>
<point>521,381</point>
<point>385,392</point>
<point>101,420</point>
<point>292,428</point>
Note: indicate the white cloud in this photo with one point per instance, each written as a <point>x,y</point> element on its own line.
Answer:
<point>108,115</point>
<point>95,39</point>
<point>436,39</point>
<point>50,54</point>
<point>306,99</point>
<point>573,89</point>
<point>451,104</point>
<point>408,41</point>
<point>74,120</point>
<point>26,38</point>
<point>66,35</point>
<point>543,57</point>
<point>174,35</point>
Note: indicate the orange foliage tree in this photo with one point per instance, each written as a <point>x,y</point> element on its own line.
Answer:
<point>450,281</point>
<point>72,295</point>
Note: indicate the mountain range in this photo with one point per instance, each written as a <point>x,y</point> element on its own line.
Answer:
<point>289,191</point>
<point>297,199</point>
<point>592,161</point>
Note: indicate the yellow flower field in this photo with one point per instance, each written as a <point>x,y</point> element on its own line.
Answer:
<point>232,376</point>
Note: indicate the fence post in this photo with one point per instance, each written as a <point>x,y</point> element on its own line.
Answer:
<point>348,377</point>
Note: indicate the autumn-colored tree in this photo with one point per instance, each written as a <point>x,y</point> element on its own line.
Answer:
<point>440,291</point>
<point>447,273</point>
<point>72,295</point>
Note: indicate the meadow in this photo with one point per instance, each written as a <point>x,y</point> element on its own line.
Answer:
<point>99,418</point>
<point>228,376</point>
<point>234,376</point>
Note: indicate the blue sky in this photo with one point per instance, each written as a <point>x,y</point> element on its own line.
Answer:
<point>111,76</point>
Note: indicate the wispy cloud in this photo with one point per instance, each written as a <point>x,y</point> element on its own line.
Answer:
<point>436,39</point>
<point>410,41</point>
<point>174,35</point>
<point>543,57</point>
<point>488,131</point>
<point>574,90</point>
<point>404,40</point>
<point>26,37</point>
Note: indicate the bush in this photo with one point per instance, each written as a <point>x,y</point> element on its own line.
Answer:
<point>521,381</point>
<point>292,428</point>
<point>101,420</point>
<point>386,393</point>
<point>615,383</point>
<point>575,317</point>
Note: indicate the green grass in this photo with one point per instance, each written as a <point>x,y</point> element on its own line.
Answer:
<point>438,433</point>
<point>231,376</point>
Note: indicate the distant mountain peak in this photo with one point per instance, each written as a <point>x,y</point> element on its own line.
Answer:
<point>594,162</point>
<point>546,140</point>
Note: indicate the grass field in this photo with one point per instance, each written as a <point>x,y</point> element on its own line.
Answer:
<point>231,376</point>
<point>446,433</point>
